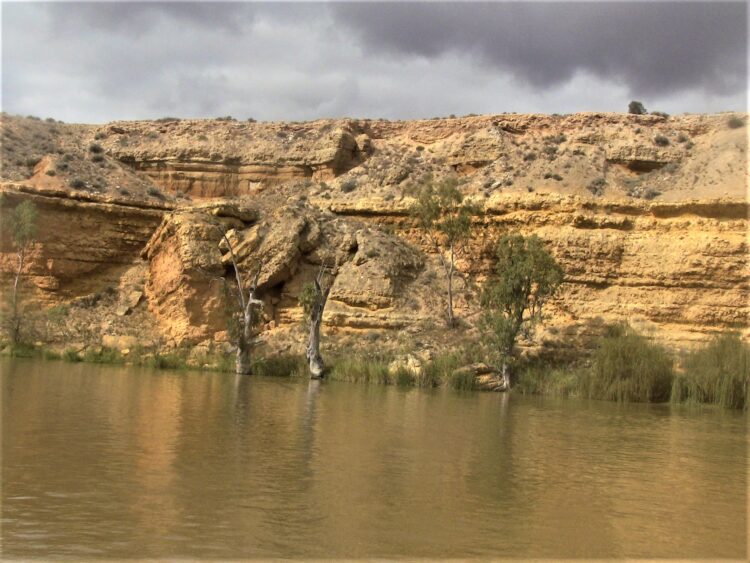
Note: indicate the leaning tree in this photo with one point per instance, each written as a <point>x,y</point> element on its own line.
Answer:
<point>313,299</point>
<point>525,277</point>
<point>248,305</point>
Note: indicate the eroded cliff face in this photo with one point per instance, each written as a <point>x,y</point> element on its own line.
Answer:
<point>647,216</point>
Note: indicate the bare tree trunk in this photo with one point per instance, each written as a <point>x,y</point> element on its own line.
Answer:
<point>451,268</point>
<point>314,359</point>
<point>505,375</point>
<point>243,363</point>
<point>16,326</point>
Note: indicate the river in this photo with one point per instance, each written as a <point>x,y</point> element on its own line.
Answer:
<point>103,461</point>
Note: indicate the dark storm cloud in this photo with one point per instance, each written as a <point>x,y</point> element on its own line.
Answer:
<point>98,61</point>
<point>652,47</point>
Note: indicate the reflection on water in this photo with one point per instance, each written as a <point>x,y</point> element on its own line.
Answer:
<point>124,462</point>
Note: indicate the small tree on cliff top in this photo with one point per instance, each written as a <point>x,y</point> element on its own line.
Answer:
<point>446,219</point>
<point>526,275</point>
<point>22,224</point>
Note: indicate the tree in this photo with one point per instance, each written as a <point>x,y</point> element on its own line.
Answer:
<point>313,300</point>
<point>446,219</point>
<point>526,275</point>
<point>22,226</point>
<point>248,303</point>
<point>636,108</point>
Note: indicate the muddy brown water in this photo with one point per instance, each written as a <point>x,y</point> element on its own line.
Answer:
<point>101,461</point>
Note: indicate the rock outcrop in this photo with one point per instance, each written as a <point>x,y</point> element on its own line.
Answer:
<point>647,215</point>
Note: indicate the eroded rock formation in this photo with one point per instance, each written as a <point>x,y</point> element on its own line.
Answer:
<point>647,230</point>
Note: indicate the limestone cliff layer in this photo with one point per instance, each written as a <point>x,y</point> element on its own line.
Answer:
<point>646,214</point>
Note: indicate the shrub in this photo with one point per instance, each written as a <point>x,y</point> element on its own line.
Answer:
<point>167,360</point>
<point>717,374</point>
<point>596,186</point>
<point>636,107</point>
<point>279,366</point>
<point>661,141</point>
<point>660,114</point>
<point>682,138</point>
<point>70,355</point>
<point>629,367</point>
<point>51,172</point>
<point>32,161</point>
<point>103,355</point>
<point>349,185</point>
<point>77,183</point>
<point>529,157</point>
<point>96,148</point>
<point>735,122</point>
<point>154,192</point>
<point>100,135</point>
<point>97,158</point>
<point>167,119</point>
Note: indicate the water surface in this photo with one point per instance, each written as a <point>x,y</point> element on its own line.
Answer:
<point>126,462</point>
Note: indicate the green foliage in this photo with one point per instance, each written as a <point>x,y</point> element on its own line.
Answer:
<point>526,275</point>
<point>166,360</point>
<point>440,208</point>
<point>462,380</point>
<point>70,355</point>
<point>717,374</point>
<point>362,369</point>
<point>440,370</point>
<point>540,379</point>
<point>307,298</point>
<point>22,224</point>
<point>279,366</point>
<point>636,108</point>
<point>735,122</point>
<point>103,355</point>
<point>629,367</point>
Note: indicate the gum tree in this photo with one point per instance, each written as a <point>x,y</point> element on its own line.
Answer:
<point>22,224</point>
<point>248,304</point>
<point>525,277</point>
<point>313,299</point>
<point>446,219</point>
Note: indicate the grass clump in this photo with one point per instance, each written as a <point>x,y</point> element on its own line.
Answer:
<point>70,355</point>
<point>278,366</point>
<point>440,371</point>
<point>103,355</point>
<point>363,369</point>
<point>717,374</point>
<point>627,366</point>
<point>166,360</point>
<point>539,379</point>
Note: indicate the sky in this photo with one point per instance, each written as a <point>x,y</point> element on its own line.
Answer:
<point>102,61</point>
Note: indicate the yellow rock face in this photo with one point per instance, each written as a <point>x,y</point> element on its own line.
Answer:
<point>647,230</point>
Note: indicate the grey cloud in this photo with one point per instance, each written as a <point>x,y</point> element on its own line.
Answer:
<point>652,47</point>
<point>98,61</point>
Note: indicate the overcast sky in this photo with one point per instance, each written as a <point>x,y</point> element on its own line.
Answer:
<point>95,62</point>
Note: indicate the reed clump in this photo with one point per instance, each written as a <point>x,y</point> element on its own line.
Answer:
<point>627,366</point>
<point>717,374</point>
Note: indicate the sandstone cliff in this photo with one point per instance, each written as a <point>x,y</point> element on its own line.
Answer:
<point>646,214</point>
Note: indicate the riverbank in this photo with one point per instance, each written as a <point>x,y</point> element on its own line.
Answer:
<point>624,367</point>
